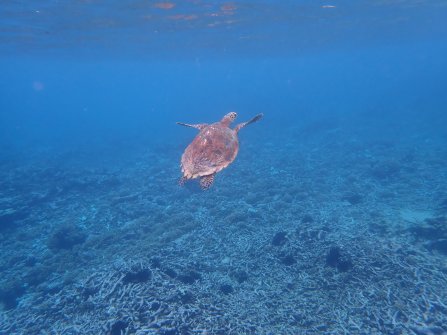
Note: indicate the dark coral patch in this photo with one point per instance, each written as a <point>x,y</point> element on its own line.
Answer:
<point>119,327</point>
<point>190,277</point>
<point>240,275</point>
<point>66,237</point>
<point>10,295</point>
<point>140,276</point>
<point>279,238</point>
<point>337,259</point>
<point>226,289</point>
<point>288,260</point>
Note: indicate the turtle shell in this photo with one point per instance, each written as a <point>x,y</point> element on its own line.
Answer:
<point>212,150</point>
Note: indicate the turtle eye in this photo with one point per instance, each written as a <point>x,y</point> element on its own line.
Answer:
<point>232,115</point>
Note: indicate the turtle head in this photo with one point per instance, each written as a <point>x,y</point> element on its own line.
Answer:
<point>230,117</point>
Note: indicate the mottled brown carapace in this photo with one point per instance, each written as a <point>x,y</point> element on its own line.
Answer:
<point>213,149</point>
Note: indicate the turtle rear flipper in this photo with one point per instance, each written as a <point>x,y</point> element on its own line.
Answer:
<point>242,125</point>
<point>199,126</point>
<point>206,181</point>
<point>182,181</point>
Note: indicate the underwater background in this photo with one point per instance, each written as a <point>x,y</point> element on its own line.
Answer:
<point>331,220</point>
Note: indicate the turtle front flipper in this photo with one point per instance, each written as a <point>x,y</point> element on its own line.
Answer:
<point>242,125</point>
<point>199,126</point>
<point>206,181</point>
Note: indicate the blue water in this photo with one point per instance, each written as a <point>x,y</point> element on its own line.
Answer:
<point>332,219</point>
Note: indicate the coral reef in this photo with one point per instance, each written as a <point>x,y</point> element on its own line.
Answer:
<point>315,244</point>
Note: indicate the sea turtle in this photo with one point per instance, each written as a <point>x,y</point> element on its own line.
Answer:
<point>212,150</point>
